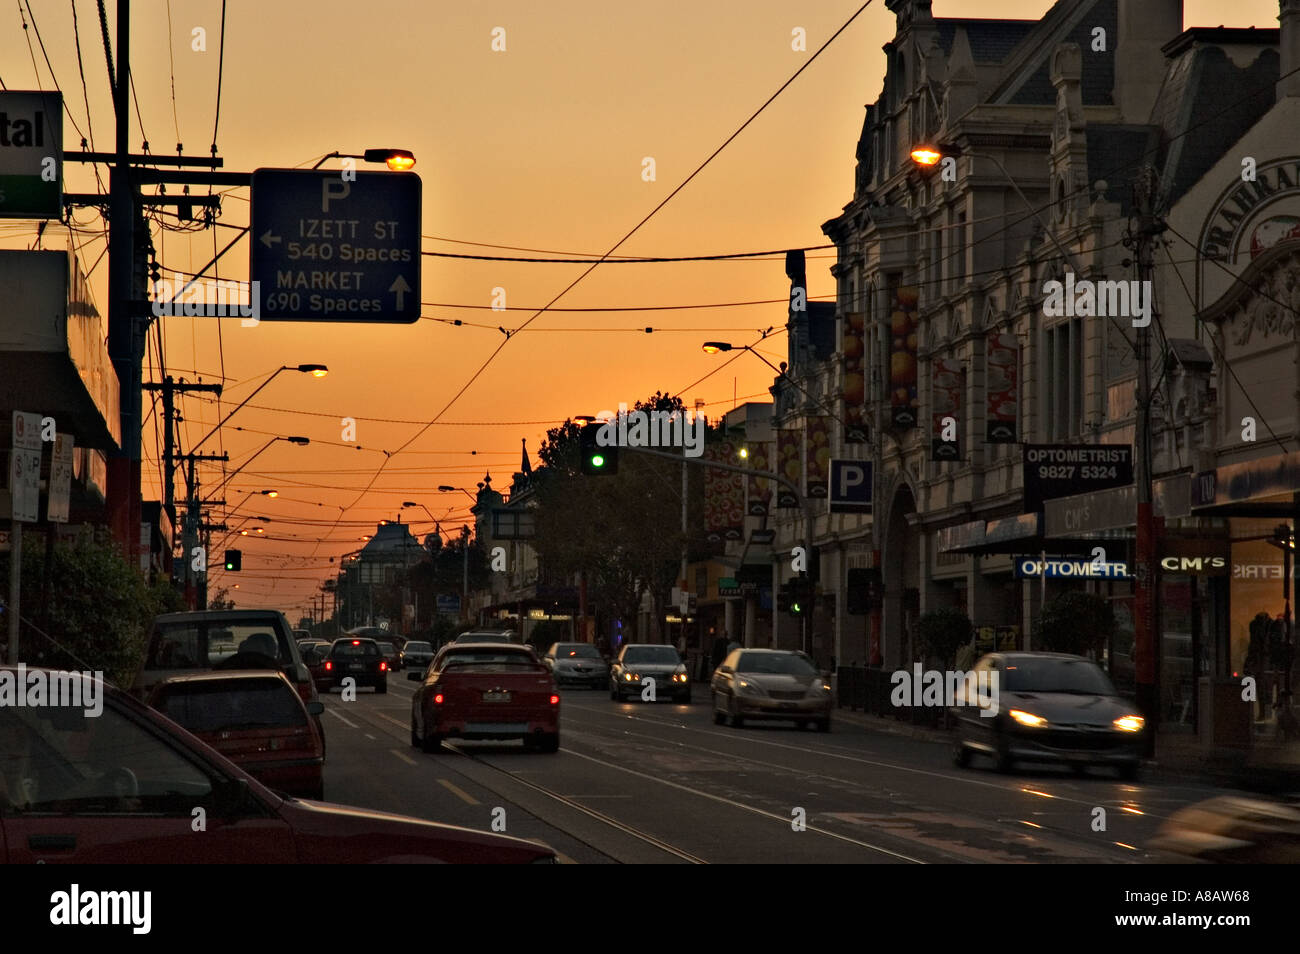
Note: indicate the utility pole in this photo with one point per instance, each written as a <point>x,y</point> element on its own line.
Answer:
<point>1147,582</point>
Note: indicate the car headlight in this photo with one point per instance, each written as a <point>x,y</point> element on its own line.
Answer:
<point>631,677</point>
<point>751,687</point>
<point>1129,723</point>
<point>1028,718</point>
<point>818,688</point>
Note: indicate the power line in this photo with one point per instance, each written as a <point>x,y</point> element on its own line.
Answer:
<point>731,256</point>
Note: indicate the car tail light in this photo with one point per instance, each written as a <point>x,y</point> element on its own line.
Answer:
<point>437,699</point>
<point>328,665</point>
<point>555,700</point>
<point>383,666</point>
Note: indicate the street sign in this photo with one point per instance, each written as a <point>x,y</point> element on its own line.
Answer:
<point>25,467</point>
<point>448,605</point>
<point>56,509</point>
<point>850,486</point>
<point>31,155</point>
<point>329,248</point>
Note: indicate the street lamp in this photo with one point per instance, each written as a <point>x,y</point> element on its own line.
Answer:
<point>315,370</point>
<point>447,487</point>
<point>398,160</point>
<point>301,441</point>
<point>713,347</point>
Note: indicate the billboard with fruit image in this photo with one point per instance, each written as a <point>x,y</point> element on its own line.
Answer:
<point>1001,389</point>
<point>759,491</point>
<point>789,464</point>
<point>903,325</point>
<point>853,392</point>
<point>724,495</point>
<point>948,380</point>
<point>818,459</point>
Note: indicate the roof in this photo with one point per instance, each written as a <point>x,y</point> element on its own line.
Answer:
<point>990,40</point>
<point>1115,154</point>
<point>392,542</point>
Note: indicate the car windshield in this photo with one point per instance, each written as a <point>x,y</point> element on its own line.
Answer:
<point>202,644</point>
<point>777,663</point>
<point>222,706</point>
<point>1056,675</point>
<point>576,651</point>
<point>352,648</point>
<point>419,648</point>
<point>651,654</point>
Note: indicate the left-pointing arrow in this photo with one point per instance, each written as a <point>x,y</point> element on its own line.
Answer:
<point>401,288</point>
<point>268,239</point>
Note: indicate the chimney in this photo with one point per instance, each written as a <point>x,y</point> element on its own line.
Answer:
<point>1144,27</point>
<point>1289,48</point>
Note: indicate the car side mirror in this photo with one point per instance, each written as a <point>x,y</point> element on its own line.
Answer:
<point>315,708</point>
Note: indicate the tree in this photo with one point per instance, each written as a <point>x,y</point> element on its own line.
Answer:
<point>943,631</point>
<point>1075,622</point>
<point>219,600</point>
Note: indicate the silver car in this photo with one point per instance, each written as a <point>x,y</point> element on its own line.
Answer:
<point>661,663</point>
<point>770,684</point>
<point>577,664</point>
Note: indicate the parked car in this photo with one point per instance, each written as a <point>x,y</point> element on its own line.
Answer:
<point>577,663</point>
<point>415,658</point>
<point>1050,707</point>
<point>255,719</point>
<point>770,684</point>
<point>486,691</point>
<point>359,659</point>
<point>183,643</point>
<point>658,662</point>
<point>121,785</point>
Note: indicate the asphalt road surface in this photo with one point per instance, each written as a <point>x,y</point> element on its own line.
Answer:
<point>642,782</point>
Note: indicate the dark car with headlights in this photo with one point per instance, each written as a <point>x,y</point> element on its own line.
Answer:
<point>641,661</point>
<point>415,658</point>
<point>1046,707</point>
<point>120,784</point>
<point>577,664</point>
<point>770,684</point>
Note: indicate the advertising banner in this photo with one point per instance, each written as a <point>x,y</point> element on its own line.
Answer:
<point>818,456</point>
<point>790,466</point>
<point>759,489</point>
<point>1062,470</point>
<point>724,496</point>
<point>854,390</point>
<point>903,324</point>
<point>1001,388</point>
<point>949,380</point>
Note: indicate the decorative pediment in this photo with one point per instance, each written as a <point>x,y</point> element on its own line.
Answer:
<point>1262,307</point>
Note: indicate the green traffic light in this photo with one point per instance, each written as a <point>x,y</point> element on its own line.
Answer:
<point>597,460</point>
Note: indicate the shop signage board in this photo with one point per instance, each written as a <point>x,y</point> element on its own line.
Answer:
<point>1063,470</point>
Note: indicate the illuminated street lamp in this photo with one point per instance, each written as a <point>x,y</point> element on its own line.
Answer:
<point>398,160</point>
<point>315,370</point>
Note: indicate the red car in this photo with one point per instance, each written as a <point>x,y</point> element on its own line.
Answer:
<point>123,785</point>
<point>486,691</point>
<point>255,719</point>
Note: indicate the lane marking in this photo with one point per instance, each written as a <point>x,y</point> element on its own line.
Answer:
<point>749,808</point>
<point>370,737</point>
<point>460,793</point>
<point>404,757</point>
<point>335,713</point>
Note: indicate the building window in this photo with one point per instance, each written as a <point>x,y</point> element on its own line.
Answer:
<point>1062,382</point>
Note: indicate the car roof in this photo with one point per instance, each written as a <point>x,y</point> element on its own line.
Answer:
<point>218,615</point>
<point>1033,655</point>
<point>228,675</point>
<point>768,652</point>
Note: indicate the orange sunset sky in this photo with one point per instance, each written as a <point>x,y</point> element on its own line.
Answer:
<point>539,147</point>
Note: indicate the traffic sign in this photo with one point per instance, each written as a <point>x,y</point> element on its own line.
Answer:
<point>56,507</point>
<point>25,467</point>
<point>329,248</point>
<point>850,486</point>
<point>31,154</point>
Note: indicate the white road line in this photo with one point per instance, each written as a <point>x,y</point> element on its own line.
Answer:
<point>749,808</point>
<point>335,713</point>
<point>404,757</point>
<point>460,793</point>
<point>370,737</point>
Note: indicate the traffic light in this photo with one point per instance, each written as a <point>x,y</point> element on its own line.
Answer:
<point>597,461</point>
<point>796,597</point>
<point>863,591</point>
<point>234,560</point>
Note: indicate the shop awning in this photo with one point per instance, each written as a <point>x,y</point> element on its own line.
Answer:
<point>1264,487</point>
<point>1112,514</point>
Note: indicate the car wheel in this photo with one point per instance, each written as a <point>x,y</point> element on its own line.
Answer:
<point>960,754</point>
<point>823,725</point>
<point>1128,771</point>
<point>613,691</point>
<point>549,743</point>
<point>432,742</point>
<point>719,716</point>
<point>1003,760</point>
<point>381,687</point>
<point>415,739</point>
<point>737,720</point>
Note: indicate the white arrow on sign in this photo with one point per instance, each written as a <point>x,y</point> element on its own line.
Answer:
<point>401,288</point>
<point>268,239</point>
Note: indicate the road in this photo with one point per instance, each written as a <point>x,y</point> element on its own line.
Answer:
<point>661,783</point>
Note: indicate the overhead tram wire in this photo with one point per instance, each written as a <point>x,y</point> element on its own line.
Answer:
<point>592,266</point>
